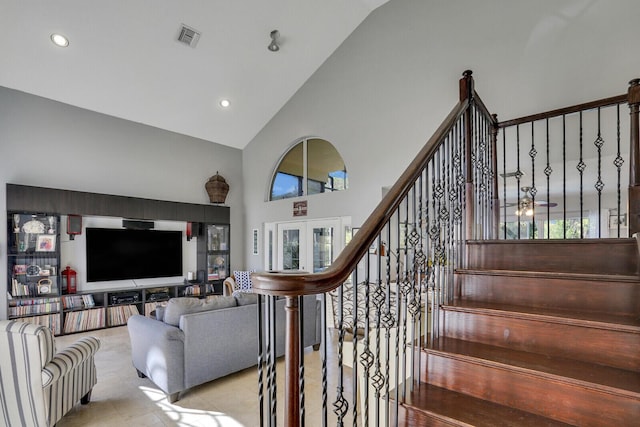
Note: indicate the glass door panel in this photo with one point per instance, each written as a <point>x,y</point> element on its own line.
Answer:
<point>309,246</point>
<point>291,248</point>
<point>323,248</point>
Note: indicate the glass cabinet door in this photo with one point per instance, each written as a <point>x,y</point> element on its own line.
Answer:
<point>33,269</point>
<point>33,261</point>
<point>217,252</point>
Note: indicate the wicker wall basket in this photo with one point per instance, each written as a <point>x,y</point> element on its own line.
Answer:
<point>217,188</point>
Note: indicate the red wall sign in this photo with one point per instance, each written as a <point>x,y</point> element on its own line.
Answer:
<point>300,208</point>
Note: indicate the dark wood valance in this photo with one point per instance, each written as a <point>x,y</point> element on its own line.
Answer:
<point>51,200</point>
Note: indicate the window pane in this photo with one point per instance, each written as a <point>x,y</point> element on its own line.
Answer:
<point>557,228</point>
<point>288,179</point>
<point>285,186</point>
<point>325,168</point>
<point>325,171</point>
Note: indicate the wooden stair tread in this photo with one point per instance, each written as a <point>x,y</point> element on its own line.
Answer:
<point>580,318</point>
<point>586,374</point>
<point>554,275</point>
<point>464,410</point>
<point>600,241</point>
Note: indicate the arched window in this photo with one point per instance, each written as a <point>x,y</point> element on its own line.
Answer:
<point>311,166</point>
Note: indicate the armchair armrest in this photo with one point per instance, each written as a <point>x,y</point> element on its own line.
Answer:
<point>229,285</point>
<point>67,359</point>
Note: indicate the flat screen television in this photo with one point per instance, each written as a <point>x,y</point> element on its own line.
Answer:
<point>119,254</point>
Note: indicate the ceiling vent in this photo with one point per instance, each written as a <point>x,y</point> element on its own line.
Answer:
<point>188,36</point>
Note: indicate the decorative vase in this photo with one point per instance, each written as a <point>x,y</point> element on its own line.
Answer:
<point>217,188</point>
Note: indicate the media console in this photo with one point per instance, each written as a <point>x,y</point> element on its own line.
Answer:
<point>34,268</point>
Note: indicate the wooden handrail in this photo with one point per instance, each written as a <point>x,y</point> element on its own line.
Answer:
<point>479,103</point>
<point>605,102</point>
<point>292,284</point>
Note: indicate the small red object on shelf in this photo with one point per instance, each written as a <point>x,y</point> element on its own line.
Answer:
<point>70,278</point>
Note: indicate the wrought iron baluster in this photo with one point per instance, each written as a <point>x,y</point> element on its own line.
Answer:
<point>388,323</point>
<point>518,174</point>
<point>564,176</point>
<point>405,288</point>
<point>618,162</point>
<point>323,355</point>
<point>340,405</point>
<point>599,186</point>
<point>396,407</point>
<point>301,360</point>
<point>533,190</point>
<point>377,379</point>
<point>461,202</point>
<point>451,199</point>
<point>504,178</point>
<point>366,358</point>
<point>271,361</point>
<point>484,147</point>
<point>261,331</point>
<point>355,348</point>
<point>547,172</point>
<point>581,168</point>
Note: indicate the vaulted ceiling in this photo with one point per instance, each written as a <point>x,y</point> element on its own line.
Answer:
<point>124,58</point>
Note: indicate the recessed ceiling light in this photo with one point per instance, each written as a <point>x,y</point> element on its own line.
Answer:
<point>225,103</point>
<point>59,40</point>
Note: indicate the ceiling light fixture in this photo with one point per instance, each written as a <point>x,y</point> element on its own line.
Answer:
<point>59,40</point>
<point>225,103</point>
<point>274,46</point>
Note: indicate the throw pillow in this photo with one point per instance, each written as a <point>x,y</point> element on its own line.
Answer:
<point>243,281</point>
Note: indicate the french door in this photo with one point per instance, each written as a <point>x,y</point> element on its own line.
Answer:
<point>308,245</point>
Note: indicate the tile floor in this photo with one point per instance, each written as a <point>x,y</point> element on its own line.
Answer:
<point>120,398</point>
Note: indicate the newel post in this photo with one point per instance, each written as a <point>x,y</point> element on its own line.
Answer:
<point>466,92</point>
<point>634,154</point>
<point>292,363</point>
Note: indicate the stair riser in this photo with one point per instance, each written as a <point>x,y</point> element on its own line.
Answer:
<point>613,297</point>
<point>551,398</point>
<point>413,417</point>
<point>569,256</point>
<point>606,347</point>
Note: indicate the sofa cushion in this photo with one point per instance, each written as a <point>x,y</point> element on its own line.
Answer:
<point>243,281</point>
<point>244,298</point>
<point>185,305</point>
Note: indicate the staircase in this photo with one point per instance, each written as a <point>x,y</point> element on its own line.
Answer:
<point>528,332</point>
<point>540,333</point>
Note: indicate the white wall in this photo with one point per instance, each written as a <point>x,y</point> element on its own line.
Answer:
<point>382,94</point>
<point>50,144</point>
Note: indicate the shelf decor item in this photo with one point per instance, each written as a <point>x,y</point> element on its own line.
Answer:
<point>46,243</point>
<point>217,188</point>
<point>33,226</point>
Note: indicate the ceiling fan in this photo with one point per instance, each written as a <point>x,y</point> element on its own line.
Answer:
<point>527,204</point>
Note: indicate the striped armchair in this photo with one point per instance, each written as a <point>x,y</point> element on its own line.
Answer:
<point>37,385</point>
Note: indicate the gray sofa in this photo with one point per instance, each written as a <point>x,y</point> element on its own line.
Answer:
<point>197,341</point>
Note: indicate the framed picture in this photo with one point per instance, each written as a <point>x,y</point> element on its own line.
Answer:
<point>46,243</point>
<point>615,221</point>
<point>255,241</point>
